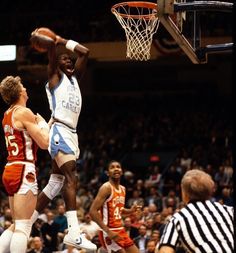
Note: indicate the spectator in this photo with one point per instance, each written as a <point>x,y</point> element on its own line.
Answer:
<point>141,188</point>
<point>171,200</point>
<point>185,160</point>
<point>152,208</point>
<point>155,236</point>
<point>89,227</point>
<point>154,197</point>
<point>80,209</point>
<point>36,228</point>
<point>50,230</point>
<point>142,239</point>
<point>86,198</point>
<point>154,177</point>
<point>61,219</point>
<point>135,199</point>
<point>157,221</point>
<point>43,216</point>
<point>131,230</point>
<point>37,246</point>
<point>171,180</point>
<point>7,216</point>
<point>151,246</point>
<point>225,197</point>
<point>145,214</point>
<point>129,183</point>
<point>149,226</point>
<point>227,173</point>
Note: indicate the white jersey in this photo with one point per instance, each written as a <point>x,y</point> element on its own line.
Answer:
<point>65,101</point>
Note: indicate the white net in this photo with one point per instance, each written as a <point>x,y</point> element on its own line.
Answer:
<point>140,22</point>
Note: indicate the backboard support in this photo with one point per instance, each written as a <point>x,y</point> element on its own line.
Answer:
<point>196,53</point>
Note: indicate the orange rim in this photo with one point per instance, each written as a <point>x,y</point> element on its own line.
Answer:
<point>147,5</point>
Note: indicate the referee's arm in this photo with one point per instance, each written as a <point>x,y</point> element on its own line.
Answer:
<point>170,237</point>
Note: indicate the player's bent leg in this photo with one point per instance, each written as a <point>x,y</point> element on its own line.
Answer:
<point>50,191</point>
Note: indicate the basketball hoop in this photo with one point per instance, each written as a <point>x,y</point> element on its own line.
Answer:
<point>140,22</point>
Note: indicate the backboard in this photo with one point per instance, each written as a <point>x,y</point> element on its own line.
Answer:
<point>172,15</point>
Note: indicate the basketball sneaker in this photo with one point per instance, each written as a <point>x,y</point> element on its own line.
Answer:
<point>79,242</point>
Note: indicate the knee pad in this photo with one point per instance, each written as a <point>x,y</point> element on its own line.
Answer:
<point>53,188</point>
<point>23,226</point>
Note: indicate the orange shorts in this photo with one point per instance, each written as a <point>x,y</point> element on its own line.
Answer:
<point>111,245</point>
<point>20,178</point>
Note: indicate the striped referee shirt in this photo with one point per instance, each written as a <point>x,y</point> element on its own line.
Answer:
<point>201,227</point>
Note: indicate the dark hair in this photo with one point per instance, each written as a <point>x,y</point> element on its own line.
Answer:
<point>110,162</point>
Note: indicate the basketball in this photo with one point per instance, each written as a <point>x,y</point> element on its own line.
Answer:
<point>44,32</point>
<point>41,38</point>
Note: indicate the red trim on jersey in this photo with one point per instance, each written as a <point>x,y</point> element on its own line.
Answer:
<point>101,239</point>
<point>18,139</point>
<point>21,178</point>
<point>24,145</point>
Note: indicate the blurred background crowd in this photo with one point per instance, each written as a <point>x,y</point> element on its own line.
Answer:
<point>157,142</point>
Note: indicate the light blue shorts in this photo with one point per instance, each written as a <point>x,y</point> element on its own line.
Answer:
<point>64,140</point>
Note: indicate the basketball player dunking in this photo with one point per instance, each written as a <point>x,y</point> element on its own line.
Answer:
<point>65,102</point>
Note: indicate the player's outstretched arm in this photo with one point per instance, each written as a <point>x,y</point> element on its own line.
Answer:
<point>35,125</point>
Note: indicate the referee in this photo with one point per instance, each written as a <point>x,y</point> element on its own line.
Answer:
<point>201,226</point>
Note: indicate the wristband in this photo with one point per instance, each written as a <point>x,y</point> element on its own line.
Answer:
<point>43,124</point>
<point>71,44</point>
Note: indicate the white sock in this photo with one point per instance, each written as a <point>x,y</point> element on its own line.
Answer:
<point>5,241</point>
<point>72,220</point>
<point>18,242</point>
<point>34,216</point>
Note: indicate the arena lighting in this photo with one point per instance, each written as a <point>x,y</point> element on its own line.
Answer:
<point>7,52</point>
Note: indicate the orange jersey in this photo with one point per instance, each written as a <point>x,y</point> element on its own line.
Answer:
<point>20,146</point>
<point>111,209</point>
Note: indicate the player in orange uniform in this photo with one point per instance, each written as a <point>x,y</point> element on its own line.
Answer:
<point>24,132</point>
<point>107,210</point>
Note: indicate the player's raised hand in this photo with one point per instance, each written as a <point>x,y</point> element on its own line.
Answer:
<point>42,38</point>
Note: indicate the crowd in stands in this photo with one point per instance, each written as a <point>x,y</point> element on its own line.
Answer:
<point>108,129</point>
